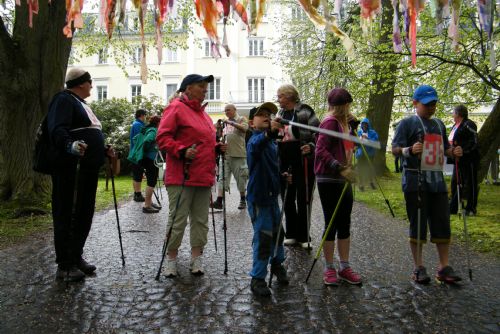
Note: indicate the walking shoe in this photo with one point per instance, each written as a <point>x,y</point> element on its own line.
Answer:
<point>259,287</point>
<point>156,206</point>
<point>171,268</point>
<point>138,197</point>
<point>289,242</point>
<point>330,277</point>
<point>150,209</point>
<point>243,205</point>
<point>447,275</point>
<point>350,276</point>
<point>280,272</point>
<point>216,205</point>
<point>87,268</point>
<point>420,275</point>
<point>196,266</point>
<point>306,245</point>
<point>71,274</point>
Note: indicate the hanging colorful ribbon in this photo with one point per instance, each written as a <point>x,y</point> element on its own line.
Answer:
<point>486,9</point>
<point>440,10</point>
<point>396,33</point>
<point>414,8</point>
<point>369,9</point>
<point>208,14</point>
<point>73,15</point>
<point>453,31</point>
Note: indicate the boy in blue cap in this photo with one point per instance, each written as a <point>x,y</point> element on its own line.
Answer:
<point>422,143</point>
<point>263,190</point>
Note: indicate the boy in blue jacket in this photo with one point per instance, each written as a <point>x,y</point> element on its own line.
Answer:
<point>366,172</point>
<point>263,190</point>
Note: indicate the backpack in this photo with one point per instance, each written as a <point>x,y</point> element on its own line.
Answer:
<point>137,153</point>
<point>44,154</point>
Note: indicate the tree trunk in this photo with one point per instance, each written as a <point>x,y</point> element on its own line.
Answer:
<point>381,97</point>
<point>489,140</point>
<point>33,64</point>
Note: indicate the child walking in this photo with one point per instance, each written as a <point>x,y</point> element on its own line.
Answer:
<point>333,169</point>
<point>262,198</point>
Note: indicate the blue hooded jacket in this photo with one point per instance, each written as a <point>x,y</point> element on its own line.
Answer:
<point>372,135</point>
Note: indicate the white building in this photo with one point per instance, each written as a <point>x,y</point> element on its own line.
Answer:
<point>249,76</point>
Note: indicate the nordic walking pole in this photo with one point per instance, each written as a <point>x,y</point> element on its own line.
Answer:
<point>224,225</point>
<point>419,211</point>
<point>308,204</point>
<point>464,217</point>
<point>185,177</point>
<point>157,199</point>
<point>345,136</point>
<point>280,227</point>
<point>213,219</point>
<point>116,208</point>
<point>330,224</point>
<point>376,180</point>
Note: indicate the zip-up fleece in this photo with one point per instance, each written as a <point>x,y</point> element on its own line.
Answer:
<point>185,123</point>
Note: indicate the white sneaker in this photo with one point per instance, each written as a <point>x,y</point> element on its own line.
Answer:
<point>196,266</point>
<point>306,245</point>
<point>289,242</point>
<point>171,268</point>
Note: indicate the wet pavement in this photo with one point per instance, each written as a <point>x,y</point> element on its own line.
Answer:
<point>129,300</point>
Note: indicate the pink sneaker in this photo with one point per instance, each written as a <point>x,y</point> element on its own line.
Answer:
<point>350,276</point>
<point>330,277</point>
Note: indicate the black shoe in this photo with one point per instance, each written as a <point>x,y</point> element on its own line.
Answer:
<point>146,209</point>
<point>155,206</point>
<point>447,275</point>
<point>217,205</point>
<point>71,274</point>
<point>243,205</point>
<point>280,272</point>
<point>420,275</point>
<point>259,287</point>
<point>138,197</point>
<point>85,267</point>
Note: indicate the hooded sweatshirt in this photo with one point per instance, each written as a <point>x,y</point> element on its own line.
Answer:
<point>372,135</point>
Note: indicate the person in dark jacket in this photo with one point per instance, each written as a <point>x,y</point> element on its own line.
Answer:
<point>76,134</point>
<point>366,172</point>
<point>296,150</point>
<point>137,169</point>
<point>262,198</point>
<point>464,134</point>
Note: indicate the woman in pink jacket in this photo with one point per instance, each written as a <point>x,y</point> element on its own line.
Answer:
<point>187,133</point>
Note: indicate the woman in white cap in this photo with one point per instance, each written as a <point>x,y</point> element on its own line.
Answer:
<point>76,134</point>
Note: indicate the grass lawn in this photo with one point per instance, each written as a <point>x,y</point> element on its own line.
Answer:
<point>15,227</point>
<point>484,229</point>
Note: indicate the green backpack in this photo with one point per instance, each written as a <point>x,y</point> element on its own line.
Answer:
<point>136,155</point>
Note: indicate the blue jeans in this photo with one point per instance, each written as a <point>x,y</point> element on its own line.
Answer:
<point>266,222</point>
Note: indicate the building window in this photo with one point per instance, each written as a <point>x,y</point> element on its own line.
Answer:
<point>255,47</point>
<point>136,55</point>
<point>171,90</point>
<point>207,49</point>
<point>102,56</point>
<point>214,90</point>
<point>102,93</point>
<point>135,91</point>
<point>299,47</point>
<point>255,90</point>
<point>298,13</point>
<point>171,56</point>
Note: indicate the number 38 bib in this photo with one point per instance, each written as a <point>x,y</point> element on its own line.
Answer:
<point>433,153</point>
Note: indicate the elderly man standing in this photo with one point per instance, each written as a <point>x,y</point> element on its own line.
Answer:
<point>234,133</point>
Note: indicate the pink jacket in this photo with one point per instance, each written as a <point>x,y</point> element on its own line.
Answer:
<point>184,123</point>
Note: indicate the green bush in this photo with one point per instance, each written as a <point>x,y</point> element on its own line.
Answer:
<point>117,116</point>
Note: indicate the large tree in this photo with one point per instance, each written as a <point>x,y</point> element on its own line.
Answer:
<point>33,64</point>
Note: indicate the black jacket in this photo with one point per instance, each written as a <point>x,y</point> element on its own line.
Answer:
<point>466,137</point>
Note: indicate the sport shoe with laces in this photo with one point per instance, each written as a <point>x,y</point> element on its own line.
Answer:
<point>138,197</point>
<point>196,266</point>
<point>149,209</point>
<point>171,268</point>
<point>447,275</point>
<point>85,267</point>
<point>280,272</point>
<point>289,242</point>
<point>330,277</point>
<point>70,274</point>
<point>420,275</point>
<point>216,205</point>
<point>259,287</point>
<point>156,206</point>
<point>350,276</point>
<point>243,205</point>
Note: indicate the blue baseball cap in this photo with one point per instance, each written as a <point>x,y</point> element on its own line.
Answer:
<point>425,94</point>
<point>194,78</point>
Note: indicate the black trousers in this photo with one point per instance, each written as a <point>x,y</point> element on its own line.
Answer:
<point>72,219</point>
<point>467,177</point>
<point>296,200</point>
